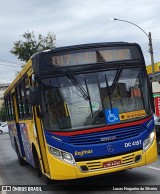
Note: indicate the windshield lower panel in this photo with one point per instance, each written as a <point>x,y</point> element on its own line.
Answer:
<point>114,96</point>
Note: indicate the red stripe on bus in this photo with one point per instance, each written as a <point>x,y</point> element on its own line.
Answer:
<point>92,130</point>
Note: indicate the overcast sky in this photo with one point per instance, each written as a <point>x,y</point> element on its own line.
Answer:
<point>77,22</point>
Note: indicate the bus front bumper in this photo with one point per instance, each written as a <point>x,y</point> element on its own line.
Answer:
<point>103,166</point>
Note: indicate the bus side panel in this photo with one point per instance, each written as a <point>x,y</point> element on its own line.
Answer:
<point>20,146</point>
<point>15,134</point>
<point>25,130</point>
<point>12,133</point>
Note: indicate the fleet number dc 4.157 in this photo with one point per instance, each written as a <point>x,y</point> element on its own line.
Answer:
<point>133,143</point>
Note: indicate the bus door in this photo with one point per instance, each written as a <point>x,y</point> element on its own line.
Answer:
<point>40,139</point>
<point>39,132</point>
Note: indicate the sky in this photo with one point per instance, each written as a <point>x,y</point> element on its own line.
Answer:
<point>77,22</point>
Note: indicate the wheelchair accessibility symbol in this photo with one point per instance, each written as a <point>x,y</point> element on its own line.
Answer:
<point>112,116</point>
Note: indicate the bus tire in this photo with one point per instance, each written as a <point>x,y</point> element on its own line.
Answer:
<point>1,132</point>
<point>21,161</point>
<point>37,163</point>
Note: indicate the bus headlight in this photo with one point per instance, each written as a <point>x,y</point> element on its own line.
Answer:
<point>65,156</point>
<point>148,142</point>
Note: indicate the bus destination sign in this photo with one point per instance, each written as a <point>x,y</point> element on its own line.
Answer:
<point>90,57</point>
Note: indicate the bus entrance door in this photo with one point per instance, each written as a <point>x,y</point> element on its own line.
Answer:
<point>41,140</point>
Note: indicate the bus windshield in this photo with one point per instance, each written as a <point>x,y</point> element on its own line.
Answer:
<point>122,91</point>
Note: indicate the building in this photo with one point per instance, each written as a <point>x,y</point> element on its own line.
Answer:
<point>157,70</point>
<point>3,87</point>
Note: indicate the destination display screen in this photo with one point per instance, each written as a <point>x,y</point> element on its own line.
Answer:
<point>91,57</point>
<point>88,56</point>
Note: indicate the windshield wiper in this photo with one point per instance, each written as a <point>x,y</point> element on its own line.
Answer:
<point>84,93</point>
<point>109,94</point>
<point>73,79</point>
<point>116,79</point>
<point>110,90</point>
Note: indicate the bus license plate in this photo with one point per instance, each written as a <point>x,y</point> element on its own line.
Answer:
<point>111,163</point>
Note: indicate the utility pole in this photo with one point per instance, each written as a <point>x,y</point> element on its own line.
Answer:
<point>150,45</point>
<point>152,58</point>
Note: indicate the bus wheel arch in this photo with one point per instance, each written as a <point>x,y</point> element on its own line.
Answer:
<point>36,161</point>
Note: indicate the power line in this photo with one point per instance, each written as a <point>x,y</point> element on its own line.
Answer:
<point>13,62</point>
<point>7,78</point>
<point>7,75</point>
<point>10,65</point>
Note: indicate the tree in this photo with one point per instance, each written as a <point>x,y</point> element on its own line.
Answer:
<point>2,112</point>
<point>25,49</point>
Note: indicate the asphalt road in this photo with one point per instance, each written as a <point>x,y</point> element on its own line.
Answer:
<point>11,173</point>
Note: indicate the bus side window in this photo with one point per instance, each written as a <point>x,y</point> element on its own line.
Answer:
<point>9,107</point>
<point>18,99</point>
<point>23,99</point>
<point>28,106</point>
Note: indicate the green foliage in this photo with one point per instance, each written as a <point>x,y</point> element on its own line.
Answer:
<point>25,49</point>
<point>2,113</point>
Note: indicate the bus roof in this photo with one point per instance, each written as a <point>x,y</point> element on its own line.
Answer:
<point>84,54</point>
<point>84,46</point>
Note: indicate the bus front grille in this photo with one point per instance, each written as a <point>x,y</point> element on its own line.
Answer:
<point>106,136</point>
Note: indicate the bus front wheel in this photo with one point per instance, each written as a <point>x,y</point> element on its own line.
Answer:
<point>37,164</point>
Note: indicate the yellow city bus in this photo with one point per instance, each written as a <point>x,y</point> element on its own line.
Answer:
<point>83,110</point>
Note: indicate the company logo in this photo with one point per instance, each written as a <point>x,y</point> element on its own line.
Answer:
<point>111,138</point>
<point>110,148</point>
<point>83,152</point>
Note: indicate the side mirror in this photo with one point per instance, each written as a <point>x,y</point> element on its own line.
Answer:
<point>34,96</point>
